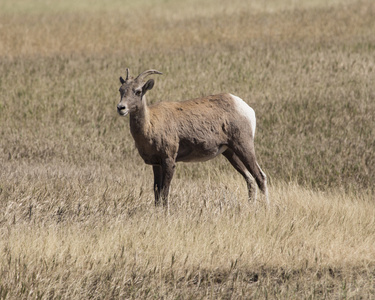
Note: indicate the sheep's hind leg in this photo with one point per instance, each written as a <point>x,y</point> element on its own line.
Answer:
<point>265,187</point>
<point>252,166</point>
<point>247,156</point>
<point>240,167</point>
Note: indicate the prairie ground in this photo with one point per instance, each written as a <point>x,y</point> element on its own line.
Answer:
<point>77,219</point>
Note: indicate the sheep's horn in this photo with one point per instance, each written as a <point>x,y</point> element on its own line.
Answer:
<point>147,73</point>
<point>127,73</point>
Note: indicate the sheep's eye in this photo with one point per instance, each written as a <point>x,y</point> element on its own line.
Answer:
<point>137,92</point>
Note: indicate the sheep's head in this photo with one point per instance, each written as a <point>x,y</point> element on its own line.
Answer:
<point>132,91</point>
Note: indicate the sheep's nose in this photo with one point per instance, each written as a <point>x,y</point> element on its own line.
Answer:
<point>120,107</point>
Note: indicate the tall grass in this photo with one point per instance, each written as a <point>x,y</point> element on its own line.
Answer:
<point>76,213</point>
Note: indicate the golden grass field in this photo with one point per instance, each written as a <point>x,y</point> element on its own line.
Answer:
<point>77,219</point>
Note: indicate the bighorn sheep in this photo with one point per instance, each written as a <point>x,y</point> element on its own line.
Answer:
<point>192,130</point>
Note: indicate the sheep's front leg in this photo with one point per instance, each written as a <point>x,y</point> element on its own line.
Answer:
<point>158,182</point>
<point>168,167</point>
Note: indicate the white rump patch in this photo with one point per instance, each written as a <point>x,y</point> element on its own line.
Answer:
<point>244,109</point>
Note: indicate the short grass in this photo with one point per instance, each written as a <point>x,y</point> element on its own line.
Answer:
<point>76,206</point>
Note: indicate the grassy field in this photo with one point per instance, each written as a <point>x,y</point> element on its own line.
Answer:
<point>77,219</point>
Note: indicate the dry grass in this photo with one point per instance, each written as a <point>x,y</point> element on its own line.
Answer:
<point>104,242</point>
<point>76,207</point>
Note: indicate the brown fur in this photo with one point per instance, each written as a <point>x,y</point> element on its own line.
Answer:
<point>192,130</point>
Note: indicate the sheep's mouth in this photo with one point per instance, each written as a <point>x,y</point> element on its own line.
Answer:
<point>123,112</point>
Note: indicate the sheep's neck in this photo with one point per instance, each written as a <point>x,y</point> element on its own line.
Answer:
<point>140,120</point>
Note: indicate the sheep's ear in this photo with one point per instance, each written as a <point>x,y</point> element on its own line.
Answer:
<point>122,80</point>
<point>148,86</point>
